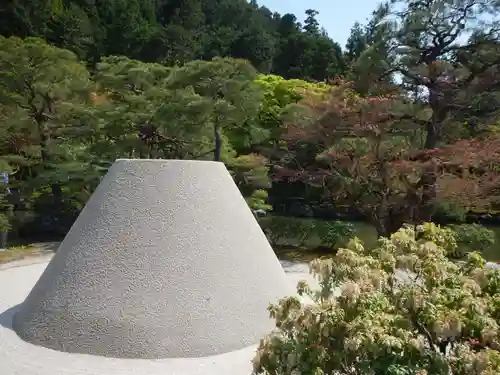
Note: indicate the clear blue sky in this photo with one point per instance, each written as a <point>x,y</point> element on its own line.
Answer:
<point>337,17</point>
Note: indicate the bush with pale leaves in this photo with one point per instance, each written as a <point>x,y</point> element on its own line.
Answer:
<point>398,309</point>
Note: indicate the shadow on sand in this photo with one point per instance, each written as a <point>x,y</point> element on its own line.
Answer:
<point>7,316</point>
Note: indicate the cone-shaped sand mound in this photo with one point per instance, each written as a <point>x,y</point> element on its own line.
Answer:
<point>165,260</point>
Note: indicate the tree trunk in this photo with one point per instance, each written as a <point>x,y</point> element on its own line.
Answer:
<point>433,127</point>
<point>44,137</point>
<point>388,225</point>
<point>429,188</point>
<point>431,138</point>
<point>381,227</point>
<point>41,118</point>
<point>218,141</point>
<point>382,219</point>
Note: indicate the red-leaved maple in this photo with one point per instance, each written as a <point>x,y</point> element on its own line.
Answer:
<point>366,155</point>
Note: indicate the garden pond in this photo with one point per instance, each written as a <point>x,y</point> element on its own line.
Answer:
<point>302,240</point>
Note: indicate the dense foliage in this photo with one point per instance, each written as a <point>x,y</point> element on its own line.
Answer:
<point>400,308</point>
<point>400,127</point>
<point>175,32</point>
<point>364,155</point>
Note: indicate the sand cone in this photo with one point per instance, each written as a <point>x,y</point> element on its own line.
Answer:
<point>166,260</point>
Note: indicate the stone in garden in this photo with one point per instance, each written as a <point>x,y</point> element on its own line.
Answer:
<point>166,260</point>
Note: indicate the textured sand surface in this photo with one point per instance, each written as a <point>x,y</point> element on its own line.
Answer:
<point>18,357</point>
<point>166,260</point>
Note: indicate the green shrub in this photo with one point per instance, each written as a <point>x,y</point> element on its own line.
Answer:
<point>401,307</point>
<point>472,237</point>
<point>275,227</point>
<point>332,233</point>
<point>288,231</point>
<point>5,224</point>
<point>258,200</point>
<point>451,211</point>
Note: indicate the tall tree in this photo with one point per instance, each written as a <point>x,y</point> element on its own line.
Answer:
<point>42,88</point>
<point>183,24</point>
<point>256,41</point>
<point>311,54</point>
<point>72,29</point>
<point>368,53</point>
<point>323,59</point>
<point>440,68</point>
<point>228,85</point>
<point>127,24</point>
<point>139,116</point>
<point>311,24</point>
<point>356,43</point>
<point>41,81</point>
<point>27,18</point>
<point>432,53</point>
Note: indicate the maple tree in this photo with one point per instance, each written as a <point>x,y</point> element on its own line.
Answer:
<point>366,154</point>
